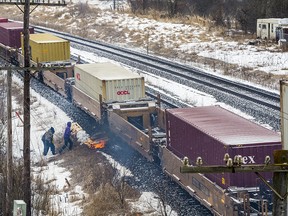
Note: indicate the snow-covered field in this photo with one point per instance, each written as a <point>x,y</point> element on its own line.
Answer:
<point>188,42</point>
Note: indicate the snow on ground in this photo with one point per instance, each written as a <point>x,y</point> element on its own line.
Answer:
<point>193,39</point>
<point>104,4</point>
<point>45,114</point>
<point>57,177</point>
<point>150,202</point>
<point>245,55</point>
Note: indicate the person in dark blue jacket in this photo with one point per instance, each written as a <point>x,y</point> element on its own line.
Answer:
<point>67,138</point>
<point>47,140</point>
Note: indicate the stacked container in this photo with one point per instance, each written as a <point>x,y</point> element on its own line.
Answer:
<point>210,132</point>
<point>10,33</point>
<point>114,83</point>
<point>48,48</point>
<point>3,20</point>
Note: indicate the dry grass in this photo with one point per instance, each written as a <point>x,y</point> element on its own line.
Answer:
<point>109,33</point>
<point>94,173</point>
<point>248,74</point>
<point>41,190</point>
<point>89,168</point>
<point>106,202</point>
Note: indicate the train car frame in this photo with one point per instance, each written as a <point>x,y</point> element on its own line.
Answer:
<point>145,139</point>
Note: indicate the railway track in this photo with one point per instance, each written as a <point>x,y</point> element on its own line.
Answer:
<point>168,102</point>
<point>181,75</point>
<point>147,176</point>
<point>176,70</point>
<point>261,104</point>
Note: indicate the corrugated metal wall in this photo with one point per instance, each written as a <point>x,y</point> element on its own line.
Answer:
<point>195,132</point>
<point>10,33</point>
<point>119,89</point>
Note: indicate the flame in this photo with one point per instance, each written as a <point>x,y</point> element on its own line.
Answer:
<point>93,144</point>
<point>98,145</point>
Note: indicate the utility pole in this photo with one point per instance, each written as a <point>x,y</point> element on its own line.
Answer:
<point>26,101</point>
<point>26,107</point>
<point>9,145</point>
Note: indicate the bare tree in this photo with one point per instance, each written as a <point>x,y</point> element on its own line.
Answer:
<point>162,194</point>
<point>218,14</point>
<point>122,188</point>
<point>172,7</point>
<point>242,18</point>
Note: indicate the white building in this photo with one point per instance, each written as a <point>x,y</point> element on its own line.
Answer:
<point>272,28</point>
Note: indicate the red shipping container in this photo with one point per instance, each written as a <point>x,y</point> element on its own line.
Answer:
<point>212,131</point>
<point>10,34</point>
<point>3,20</point>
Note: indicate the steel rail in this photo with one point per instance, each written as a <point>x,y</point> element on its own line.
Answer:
<point>243,91</point>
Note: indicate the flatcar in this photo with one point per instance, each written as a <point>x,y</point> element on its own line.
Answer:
<point>116,97</point>
<point>9,54</point>
<point>47,51</point>
<point>211,132</point>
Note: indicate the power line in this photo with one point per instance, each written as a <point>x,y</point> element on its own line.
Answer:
<point>26,104</point>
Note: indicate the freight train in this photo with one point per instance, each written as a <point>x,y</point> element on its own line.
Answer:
<point>116,97</point>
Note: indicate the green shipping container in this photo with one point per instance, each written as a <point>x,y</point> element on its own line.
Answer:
<point>48,48</point>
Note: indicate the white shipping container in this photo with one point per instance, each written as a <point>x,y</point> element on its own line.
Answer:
<point>113,82</point>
